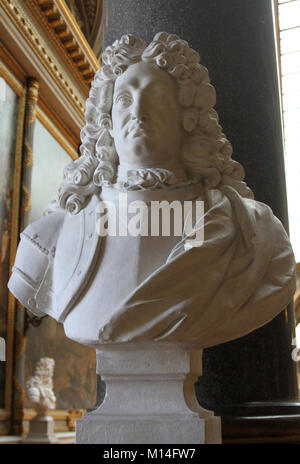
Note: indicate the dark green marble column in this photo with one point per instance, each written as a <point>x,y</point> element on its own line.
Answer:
<point>236,43</point>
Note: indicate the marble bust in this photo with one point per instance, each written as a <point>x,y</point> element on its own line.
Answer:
<point>39,390</point>
<point>39,387</point>
<point>151,132</point>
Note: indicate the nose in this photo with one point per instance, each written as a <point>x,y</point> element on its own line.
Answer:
<point>139,111</point>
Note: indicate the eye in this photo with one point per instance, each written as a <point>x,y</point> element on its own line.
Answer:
<point>123,100</point>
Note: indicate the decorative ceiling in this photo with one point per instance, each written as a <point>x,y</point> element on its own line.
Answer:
<point>88,14</point>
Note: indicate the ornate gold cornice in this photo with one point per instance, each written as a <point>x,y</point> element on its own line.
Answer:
<point>79,63</point>
<point>61,24</point>
<point>88,15</point>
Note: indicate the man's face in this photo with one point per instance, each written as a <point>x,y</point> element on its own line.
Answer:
<point>146,117</point>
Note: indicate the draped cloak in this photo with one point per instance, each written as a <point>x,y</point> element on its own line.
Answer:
<point>241,277</point>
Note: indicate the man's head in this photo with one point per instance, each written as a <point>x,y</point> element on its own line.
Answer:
<point>149,106</point>
<point>181,101</point>
<point>146,125</point>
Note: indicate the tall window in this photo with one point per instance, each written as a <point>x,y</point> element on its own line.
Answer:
<point>289,26</point>
<point>289,34</point>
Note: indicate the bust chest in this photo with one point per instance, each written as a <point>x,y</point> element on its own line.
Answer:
<point>129,252</point>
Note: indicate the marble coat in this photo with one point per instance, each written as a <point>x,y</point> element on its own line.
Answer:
<point>239,279</point>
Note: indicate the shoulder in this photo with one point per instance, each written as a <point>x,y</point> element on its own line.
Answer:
<point>36,247</point>
<point>44,232</point>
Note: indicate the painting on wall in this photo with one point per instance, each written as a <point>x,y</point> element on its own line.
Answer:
<point>75,365</point>
<point>8,123</point>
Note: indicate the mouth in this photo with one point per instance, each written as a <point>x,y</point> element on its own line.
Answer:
<point>139,130</point>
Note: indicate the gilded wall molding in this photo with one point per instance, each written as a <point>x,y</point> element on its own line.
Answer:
<point>12,304</point>
<point>88,15</point>
<point>64,419</point>
<point>32,95</point>
<point>50,120</point>
<point>26,197</point>
<point>73,415</point>
<point>20,343</point>
<point>29,155</point>
<point>32,99</point>
<point>60,23</point>
<point>16,11</point>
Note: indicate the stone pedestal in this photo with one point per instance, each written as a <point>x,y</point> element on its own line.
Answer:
<point>41,430</point>
<point>149,398</point>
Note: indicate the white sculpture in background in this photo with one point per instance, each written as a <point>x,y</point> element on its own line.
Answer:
<point>151,133</point>
<point>39,388</point>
